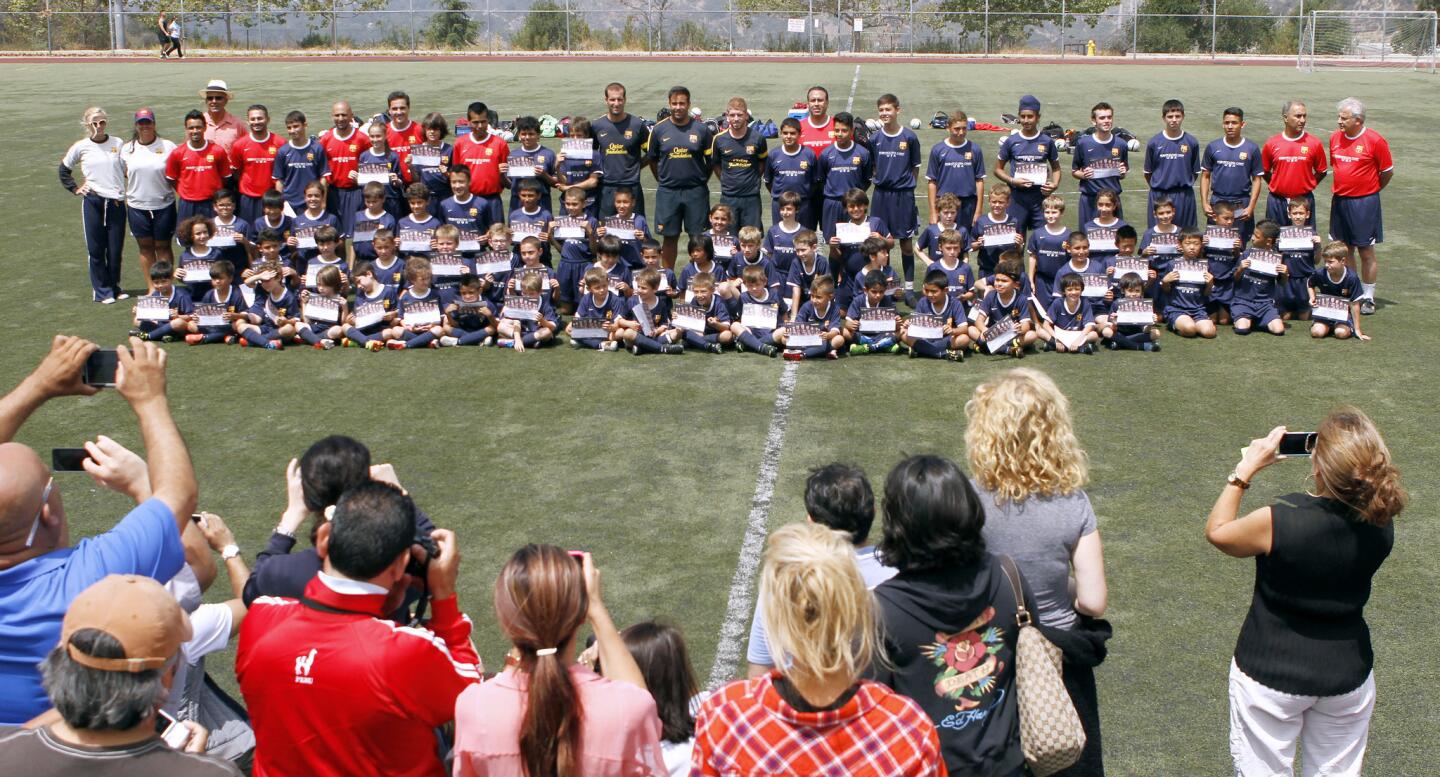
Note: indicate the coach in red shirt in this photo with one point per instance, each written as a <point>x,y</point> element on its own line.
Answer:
<point>1362,164</point>
<point>343,144</point>
<point>482,151</point>
<point>334,688</point>
<point>198,168</point>
<point>1294,164</point>
<point>253,160</point>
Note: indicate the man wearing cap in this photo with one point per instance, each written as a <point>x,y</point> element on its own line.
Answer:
<point>334,688</point>
<point>40,571</point>
<point>1030,164</point>
<point>220,125</point>
<point>116,658</point>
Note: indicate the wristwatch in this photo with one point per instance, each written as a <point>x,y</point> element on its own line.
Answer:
<point>1235,480</point>
<point>230,551</point>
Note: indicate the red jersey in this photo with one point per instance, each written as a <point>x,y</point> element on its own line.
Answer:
<point>483,157</point>
<point>197,174</point>
<point>342,155</point>
<point>350,693</point>
<point>401,140</point>
<point>1358,163</point>
<point>1292,166</point>
<point>815,138</point>
<point>255,159</point>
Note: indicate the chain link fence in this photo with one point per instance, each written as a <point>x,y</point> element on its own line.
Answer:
<point>1053,28</point>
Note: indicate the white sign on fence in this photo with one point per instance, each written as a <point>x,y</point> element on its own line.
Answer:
<point>859,25</point>
<point>795,25</point>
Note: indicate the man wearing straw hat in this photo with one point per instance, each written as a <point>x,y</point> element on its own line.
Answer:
<point>221,126</point>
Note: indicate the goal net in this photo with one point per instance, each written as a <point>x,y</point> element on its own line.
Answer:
<point>1390,40</point>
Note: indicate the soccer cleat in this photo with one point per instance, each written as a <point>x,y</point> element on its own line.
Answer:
<point>1087,349</point>
<point>635,349</point>
<point>139,334</point>
<point>433,344</point>
<point>914,353</point>
<point>1367,307</point>
<point>739,347</point>
<point>896,348</point>
<point>1112,345</point>
<point>609,345</point>
<point>108,301</point>
<point>1017,351</point>
<point>374,346</point>
<point>448,341</point>
<point>487,341</point>
<point>395,345</point>
<point>122,296</point>
<point>274,345</point>
<point>326,343</point>
<point>794,355</point>
<point>955,356</point>
<point>831,356</point>
<point>672,348</point>
<point>230,339</point>
<point>195,339</point>
<point>859,348</point>
<point>714,348</point>
<point>575,343</point>
<point>346,342</point>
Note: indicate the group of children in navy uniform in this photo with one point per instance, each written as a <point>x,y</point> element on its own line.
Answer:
<point>419,271</point>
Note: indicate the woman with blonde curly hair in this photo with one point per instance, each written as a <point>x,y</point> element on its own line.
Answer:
<point>1303,666</point>
<point>1030,473</point>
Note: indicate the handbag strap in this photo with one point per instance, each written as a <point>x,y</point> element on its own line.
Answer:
<point>1022,615</point>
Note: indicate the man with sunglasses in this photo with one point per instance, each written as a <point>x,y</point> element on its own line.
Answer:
<point>221,126</point>
<point>40,571</point>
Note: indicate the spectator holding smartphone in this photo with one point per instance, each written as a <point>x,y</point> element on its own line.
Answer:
<point>40,572</point>
<point>549,715</point>
<point>1302,671</point>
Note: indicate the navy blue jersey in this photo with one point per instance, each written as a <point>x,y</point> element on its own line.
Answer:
<point>515,279</point>
<point>178,300</point>
<point>658,313</point>
<point>740,161</point>
<point>391,161</point>
<point>952,313</point>
<point>958,279</point>
<point>411,301</point>
<point>188,256</point>
<point>1093,153</point>
<point>955,169</point>
<point>610,308</point>
<point>393,276</point>
<point>1023,155</point>
<point>1172,164</point>
<point>321,325</point>
<point>1167,243</point>
<point>577,249</point>
<point>305,226</point>
<point>801,277</point>
<point>826,319</point>
<point>779,246</point>
<point>428,172</point>
<point>541,158</point>
<point>629,245</point>
<point>772,299</point>
<point>283,227</point>
<point>470,315</point>
<point>681,153</point>
<point>1095,231</point>
<point>315,265</point>
<point>1232,168</point>
<point>547,313</point>
<point>995,308</point>
<point>618,274</point>
<point>234,253</point>
<point>1063,317</point>
<point>1048,248</point>
<point>271,309</point>
<point>1185,298</point>
<point>295,168</point>
<point>841,171</point>
<point>857,280</point>
<point>716,309</point>
<point>408,229</point>
<point>929,240</point>
<point>234,300</point>
<point>1347,288</point>
<point>1253,288</point>
<point>1301,264</point>
<point>692,269</point>
<point>988,256</point>
<point>540,216</point>
<point>798,172</point>
<point>851,259</point>
<point>897,157</point>
<point>861,302</point>
<point>386,297</point>
<point>773,279</point>
<point>621,148</point>
<point>363,238</point>
<point>573,171</point>
<point>1222,261</point>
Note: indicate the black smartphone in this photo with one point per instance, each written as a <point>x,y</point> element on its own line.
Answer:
<point>1297,444</point>
<point>101,367</point>
<point>68,459</point>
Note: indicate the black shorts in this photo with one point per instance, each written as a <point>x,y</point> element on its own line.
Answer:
<point>677,209</point>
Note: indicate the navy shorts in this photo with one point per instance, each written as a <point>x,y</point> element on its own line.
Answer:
<point>158,224</point>
<point>1171,314</point>
<point>744,210</point>
<point>1028,208</point>
<point>1355,221</point>
<point>832,212</point>
<point>1292,295</point>
<point>1259,315</point>
<point>1247,226</point>
<point>896,210</point>
<point>1277,209</point>
<point>1184,201</point>
<point>345,203</point>
<point>187,208</point>
<point>681,209</point>
<point>568,276</point>
<point>805,213</point>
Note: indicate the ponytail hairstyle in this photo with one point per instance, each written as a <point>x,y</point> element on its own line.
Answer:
<point>1352,465</point>
<point>540,602</point>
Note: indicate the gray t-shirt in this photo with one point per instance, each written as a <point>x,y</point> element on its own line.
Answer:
<point>1041,535</point>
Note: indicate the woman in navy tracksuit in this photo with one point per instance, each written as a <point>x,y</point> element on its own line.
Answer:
<point>103,208</point>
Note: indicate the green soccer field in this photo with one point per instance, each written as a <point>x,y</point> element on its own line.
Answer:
<point>652,463</point>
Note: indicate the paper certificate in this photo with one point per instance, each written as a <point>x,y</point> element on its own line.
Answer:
<point>522,274</point>
<point>998,235</point>
<point>877,320</point>
<point>365,231</point>
<point>688,317</point>
<point>521,309</point>
<point>447,266</point>
<point>421,314</point>
<point>1222,238</point>
<point>1096,285</point>
<point>305,237</point>
<point>568,228</point>
<point>224,237</point>
<point>757,316</point>
<point>152,309</point>
<point>519,230</point>
<point>999,335</point>
<point>1135,312</point>
<point>1130,265</point>
<point>1191,270</point>
<point>724,246</point>
<point>521,167</point>
<point>1072,339</point>
<point>1164,243</point>
<point>414,241</point>
<point>802,336</point>
<point>247,293</point>
<point>1037,173</point>
<point>469,242</point>
<point>851,233</point>
<point>578,148</point>
<point>196,272</point>
<point>1105,168</point>
<point>925,327</point>
<point>369,314</point>
<point>1331,308</point>
<point>1291,239</point>
<point>493,263</point>
<point>1264,262</point>
<point>324,309</point>
<point>428,157</point>
<point>1101,239</point>
<point>621,229</point>
<point>645,319</point>
<point>588,329</point>
<point>373,172</point>
<point>210,314</point>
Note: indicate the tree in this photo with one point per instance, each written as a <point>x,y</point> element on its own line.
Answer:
<point>1010,21</point>
<point>451,28</point>
<point>1182,28</point>
<point>651,15</point>
<point>325,13</point>
<point>545,28</point>
<point>246,13</point>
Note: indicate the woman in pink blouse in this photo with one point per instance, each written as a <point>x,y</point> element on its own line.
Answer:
<point>548,715</point>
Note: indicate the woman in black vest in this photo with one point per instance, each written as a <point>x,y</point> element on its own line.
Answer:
<point>1302,666</point>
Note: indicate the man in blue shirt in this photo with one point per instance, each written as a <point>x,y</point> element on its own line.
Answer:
<point>1172,163</point>
<point>40,572</point>
<point>679,157</point>
<point>1100,160</point>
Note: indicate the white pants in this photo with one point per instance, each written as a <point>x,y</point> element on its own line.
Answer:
<point>1265,725</point>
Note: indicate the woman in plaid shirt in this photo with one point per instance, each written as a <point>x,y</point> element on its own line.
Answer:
<point>815,715</point>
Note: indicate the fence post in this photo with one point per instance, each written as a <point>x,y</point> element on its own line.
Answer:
<point>730,10</point>
<point>1135,33</point>
<point>1300,31</point>
<point>912,27</point>
<point>567,26</point>
<point>1214,13</point>
<point>412,26</point>
<point>987,28</point>
<point>810,27</point>
<point>1062,29</point>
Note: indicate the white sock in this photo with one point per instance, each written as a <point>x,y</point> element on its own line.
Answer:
<point>1367,290</point>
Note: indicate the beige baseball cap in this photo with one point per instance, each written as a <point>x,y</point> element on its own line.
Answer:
<point>138,612</point>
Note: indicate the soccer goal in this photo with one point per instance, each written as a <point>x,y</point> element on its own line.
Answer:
<point>1390,40</point>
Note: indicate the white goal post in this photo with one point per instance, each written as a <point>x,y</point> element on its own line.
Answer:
<point>1387,40</point>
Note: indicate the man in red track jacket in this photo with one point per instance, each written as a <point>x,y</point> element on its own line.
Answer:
<point>333,687</point>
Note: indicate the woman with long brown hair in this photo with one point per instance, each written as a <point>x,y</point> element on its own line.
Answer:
<point>548,716</point>
<point>1302,670</point>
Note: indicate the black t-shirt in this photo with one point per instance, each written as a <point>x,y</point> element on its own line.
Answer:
<point>950,636</point>
<point>621,148</point>
<point>740,161</point>
<point>38,753</point>
<point>1305,633</point>
<point>681,154</point>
